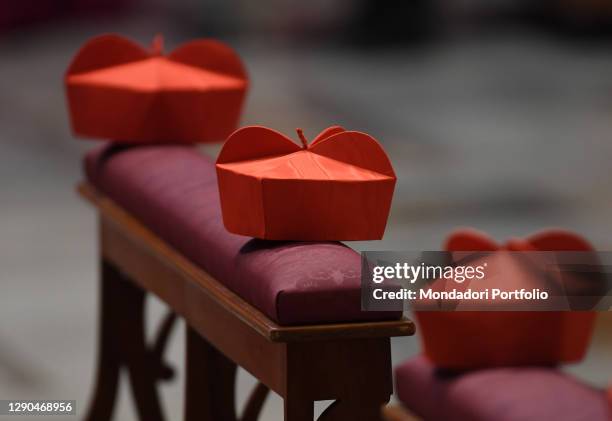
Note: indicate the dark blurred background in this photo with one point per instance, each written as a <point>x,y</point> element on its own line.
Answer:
<point>496,114</point>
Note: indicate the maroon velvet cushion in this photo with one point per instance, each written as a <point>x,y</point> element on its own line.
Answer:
<point>502,394</point>
<point>173,191</point>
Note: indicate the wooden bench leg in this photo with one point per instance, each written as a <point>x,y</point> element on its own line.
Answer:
<point>209,381</point>
<point>255,403</point>
<point>355,409</point>
<point>109,355</point>
<point>140,362</point>
<point>298,408</point>
<point>122,344</point>
<point>354,372</point>
<point>365,408</point>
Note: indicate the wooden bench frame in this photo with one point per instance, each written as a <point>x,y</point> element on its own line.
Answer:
<point>349,363</point>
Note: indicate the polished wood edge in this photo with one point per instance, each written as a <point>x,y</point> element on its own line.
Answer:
<point>387,328</point>
<point>231,301</point>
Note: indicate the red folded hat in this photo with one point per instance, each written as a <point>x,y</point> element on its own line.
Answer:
<point>337,188</point>
<point>120,91</point>
<point>466,339</point>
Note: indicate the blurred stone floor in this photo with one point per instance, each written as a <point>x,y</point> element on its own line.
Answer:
<point>509,134</point>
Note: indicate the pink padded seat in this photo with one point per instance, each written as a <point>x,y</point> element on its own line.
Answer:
<point>502,394</point>
<point>173,191</point>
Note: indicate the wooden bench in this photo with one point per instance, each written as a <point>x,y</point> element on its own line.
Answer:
<point>348,362</point>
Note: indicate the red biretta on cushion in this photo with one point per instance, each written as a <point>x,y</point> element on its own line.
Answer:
<point>477,339</point>
<point>118,90</point>
<point>339,187</point>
